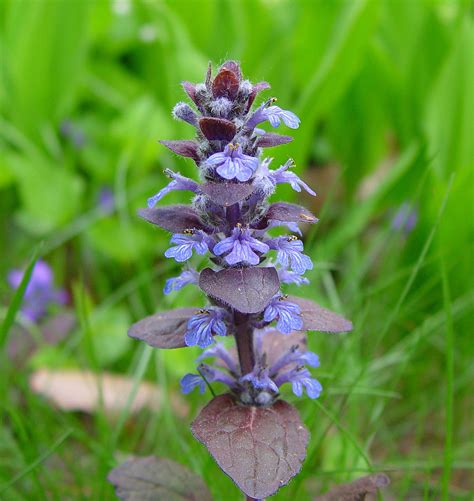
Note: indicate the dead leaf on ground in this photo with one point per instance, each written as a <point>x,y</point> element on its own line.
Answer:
<point>76,390</point>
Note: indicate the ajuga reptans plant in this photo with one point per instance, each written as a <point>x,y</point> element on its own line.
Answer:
<point>255,436</point>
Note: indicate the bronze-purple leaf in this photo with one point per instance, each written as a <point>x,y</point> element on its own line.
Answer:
<point>282,211</point>
<point>233,66</point>
<point>258,87</point>
<point>152,478</point>
<point>174,218</point>
<point>226,84</point>
<point>163,330</point>
<point>226,194</point>
<point>317,318</point>
<point>357,489</point>
<point>248,290</point>
<point>274,345</point>
<point>270,139</point>
<point>190,90</point>
<point>260,448</point>
<point>217,128</point>
<point>185,148</point>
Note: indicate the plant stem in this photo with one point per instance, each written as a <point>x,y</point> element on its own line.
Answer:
<point>233,215</point>
<point>244,341</point>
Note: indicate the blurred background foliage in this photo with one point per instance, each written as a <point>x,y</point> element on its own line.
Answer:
<point>384,92</point>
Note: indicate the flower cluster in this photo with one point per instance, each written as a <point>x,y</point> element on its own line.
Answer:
<point>261,386</point>
<point>229,221</point>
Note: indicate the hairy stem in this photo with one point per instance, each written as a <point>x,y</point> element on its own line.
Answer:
<point>244,341</point>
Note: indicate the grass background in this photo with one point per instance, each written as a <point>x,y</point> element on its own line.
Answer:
<point>384,92</point>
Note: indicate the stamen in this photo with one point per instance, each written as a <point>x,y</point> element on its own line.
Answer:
<point>284,297</point>
<point>189,231</point>
<point>292,238</point>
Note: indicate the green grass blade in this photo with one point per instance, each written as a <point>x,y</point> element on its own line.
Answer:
<point>37,461</point>
<point>18,298</point>
<point>449,375</point>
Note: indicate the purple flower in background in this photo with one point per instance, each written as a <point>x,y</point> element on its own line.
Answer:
<point>233,164</point>
<point>287,315</point>
<point>405,218</point>
<point>73,133</point>
<point>40,292</point>
<point>106,199</point>
<point>185,278</point>
<point>203,325</point>
<point>186,243</point>
<point>270,178</point>
<point>179,183</point>
<point>241,246</point>
<point>290,254</point>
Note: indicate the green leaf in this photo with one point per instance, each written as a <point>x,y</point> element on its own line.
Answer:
<point>109,338</point>
<point>450,112</point>
<point>17,299</point>
<point>351,33</point>
<point>50,194</point>
<point>45,46</point>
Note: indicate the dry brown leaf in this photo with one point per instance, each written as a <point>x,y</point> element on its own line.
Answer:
<point>76,390</point>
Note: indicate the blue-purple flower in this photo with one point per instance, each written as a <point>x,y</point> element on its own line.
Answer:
<point>269,178</point>
<point>405,218</point>
<point>286,313</point>
<point>202,326</point>
<point>273,114</point>
<point>294,358</point>
<point>299,378</point>
<point>261,385</point>
<point>241,247</point>
<point>40,292</point>
<point>191,381</point>
<point>106,199</point>
<point>195,240</point>
<point>179,183</point>
<point>218,351</point>
<point>290,254</point>
<point>186,277</point>
<point>232,163</point>
<point>290,277</point>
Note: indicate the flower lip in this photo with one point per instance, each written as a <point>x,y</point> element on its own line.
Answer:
<point>232,163</point>
<point>241,247</point>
